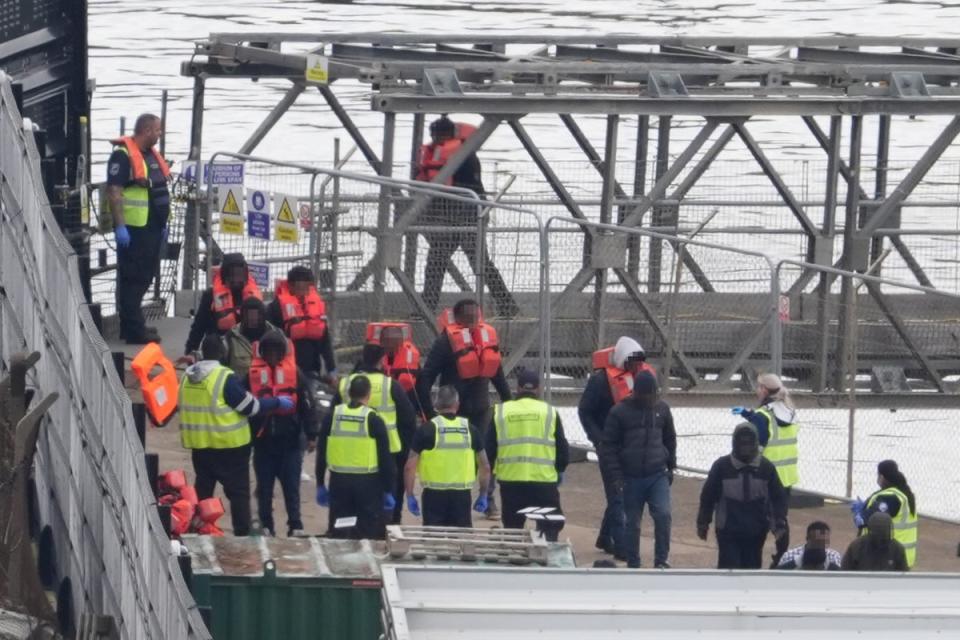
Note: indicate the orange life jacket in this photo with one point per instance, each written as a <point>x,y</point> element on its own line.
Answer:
<point>137,163</point>
<point>225,309</point>
<point>160,391</point>
<point>620,380</point>
<point>181,515</point>
<point>476,358</point>
<point>302,320</point>
<point>433,157</point>
<point>268,382</point>
<point>404,365</point>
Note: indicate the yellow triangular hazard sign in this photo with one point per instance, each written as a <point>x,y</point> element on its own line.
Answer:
<point>286,213</point>
<point>230,205</point>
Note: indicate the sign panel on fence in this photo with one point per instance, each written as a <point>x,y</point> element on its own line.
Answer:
<point>258,214</point>
<point>286,221</point>
<point>231,216</point>
<point>317,69</point>
<point>227,173</point>
<point>260,272</point>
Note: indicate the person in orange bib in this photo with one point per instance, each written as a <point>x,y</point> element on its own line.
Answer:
<point>219,308</point>
<point>401,357</point>
<point>137,178</point>
<point>466,355</point>
<point>301,312</point>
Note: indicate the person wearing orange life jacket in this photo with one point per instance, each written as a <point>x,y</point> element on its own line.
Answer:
<point>466,355</point>
<point>401,357</point>
<point>300,310</point>
<point>444,213</point>
<point>140,204</point>
<point>605,387</point>
<point>277,454</point>
<point>219,308</point>
<point>240,340</point>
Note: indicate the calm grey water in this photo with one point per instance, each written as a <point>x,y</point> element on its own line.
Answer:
<point>131,72</point>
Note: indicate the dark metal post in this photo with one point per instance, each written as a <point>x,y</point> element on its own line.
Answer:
<point>191,223</point>
<point>848,286</point>
<point>410,240</point>
<point>880,185</point>
<point>826,236</point>
<point>606,216</point>
<point>119,364</point>
<point>383,215</point>
<point>163,123</point>
<point>663,161</point>
<point>639,187</point>
<point>152,463</point>
<point>140,421</point>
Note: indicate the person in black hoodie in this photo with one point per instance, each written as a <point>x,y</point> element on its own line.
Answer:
<point>277,454</point>
<point>639,454</point>
<point>744,490</point>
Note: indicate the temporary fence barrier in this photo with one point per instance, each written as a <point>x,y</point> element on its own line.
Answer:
<point>109,551</point>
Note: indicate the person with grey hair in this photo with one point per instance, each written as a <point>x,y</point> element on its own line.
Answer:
<point>776,421</point>
<point>447,453</point>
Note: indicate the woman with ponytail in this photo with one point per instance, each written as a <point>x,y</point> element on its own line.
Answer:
<point>896,499</point>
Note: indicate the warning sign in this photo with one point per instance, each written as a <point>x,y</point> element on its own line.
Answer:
<point>231,217</point>
<point>286,227</point>
<point>318,69</point>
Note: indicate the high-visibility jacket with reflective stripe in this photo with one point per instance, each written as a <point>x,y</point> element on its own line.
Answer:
<point>350,449</point>
<point>451,463</point>
<point>206,420</point>
<point>381,401</point>
<point>905,529</point>
<point>136,199</point>
<point>526,441</point>
<point>782,448</point>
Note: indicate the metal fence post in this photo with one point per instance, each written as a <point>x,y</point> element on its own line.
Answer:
<point>776,326</point>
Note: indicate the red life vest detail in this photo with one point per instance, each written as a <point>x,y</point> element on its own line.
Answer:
<point>137,163</point>
<point>268,382</point>
<point>620,381</point>
<point>160,391</point>
<point>225,309</point>
<point>433,157</point>
<point>405,365</point>
<point>477,351</point>
<point>304,319</point>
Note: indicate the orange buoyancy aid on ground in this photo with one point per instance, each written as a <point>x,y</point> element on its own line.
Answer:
<point>160,392</point>
<point>477,351</point>
<point>226,310</point>
<point>137,162</point>
<point>620,380</point>
<point>274,382</point>
<point>404,365</point>
<point>303,319</point>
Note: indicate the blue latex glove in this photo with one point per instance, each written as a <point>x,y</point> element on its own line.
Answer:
<point>481,505</point>
<point>122,235</point>
<point>164,234</point>
<point>286,404</point>
<point>323,496</point>
<point>738,411</point>
<point>389,504</point>
<point>857,506</point>
<point>413,506</point>
<point>559,478</point>
<point>858,520</point>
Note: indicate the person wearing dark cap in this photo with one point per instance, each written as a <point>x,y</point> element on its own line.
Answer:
<point>300,311</point>
<point>529,453</point>
<point>447,136</point>
<point>896,499</point>
<point>743,495</point>
<point>639,454</point>
<point>392,405</point>
<point>241,338</point>
<point>277,454</point>
<point>877,550</point>
<point>219,308</point>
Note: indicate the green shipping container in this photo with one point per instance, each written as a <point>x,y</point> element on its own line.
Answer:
<point>287,588</point>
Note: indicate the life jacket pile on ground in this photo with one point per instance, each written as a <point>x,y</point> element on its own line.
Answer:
<point>477,351</point>
<point>225,309</point>
<point>160,391</point>
<point>187,513</point>
<point>304,319</point>
<point>405,364</point>
<point>620,380</point>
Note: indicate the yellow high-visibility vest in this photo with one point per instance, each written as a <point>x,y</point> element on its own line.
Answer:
<point>781,449</point>
<point>905,529</point>
<point>526,441</point>
<point>451,463</point>
<point>350,449</point>
<point>381,401</point>
<point>206,420</point>
<point>136,199</point>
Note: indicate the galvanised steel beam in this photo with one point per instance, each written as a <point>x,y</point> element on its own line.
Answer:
<point>552,178</point>
<point>272,118</point>
<point>352,129</point>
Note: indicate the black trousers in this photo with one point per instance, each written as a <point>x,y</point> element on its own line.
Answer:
<point>481,420</point>
<point>401,460</point>
<point>231,468</point>
<point>136,267</point>
<point>446,508</point>
<point>271,464</point>
<point>783,543</point>
<point>739,551</point>
<point>360,496</point>
<point>520,495</point>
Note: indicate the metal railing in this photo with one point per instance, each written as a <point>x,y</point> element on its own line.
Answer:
<point>110,550</point>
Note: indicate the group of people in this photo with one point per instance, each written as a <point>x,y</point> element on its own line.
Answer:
<point>253,369</point>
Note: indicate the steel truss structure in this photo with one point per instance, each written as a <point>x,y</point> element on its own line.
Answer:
<point>724,80</point>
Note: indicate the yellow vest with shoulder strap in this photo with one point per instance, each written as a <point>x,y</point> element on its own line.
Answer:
<point>781,449</point>
<point>136,199</point>
<point>381,401</point>
<point>526,441</point>
<point>350,449</point>
<point>905,529</point>
<point>206,420</point>
<point>451,463</point>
